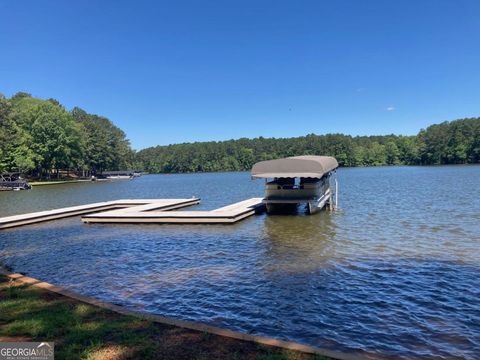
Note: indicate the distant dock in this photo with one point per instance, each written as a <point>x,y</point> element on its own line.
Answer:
<point>160,211</point>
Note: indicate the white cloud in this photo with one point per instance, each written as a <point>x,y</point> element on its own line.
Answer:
<point>390,108</point>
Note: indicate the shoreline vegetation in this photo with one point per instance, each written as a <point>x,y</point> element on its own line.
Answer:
<point>84,331</point>
<point>44,141</point>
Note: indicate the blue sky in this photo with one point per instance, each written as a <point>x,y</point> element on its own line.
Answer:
<point>183,71</point>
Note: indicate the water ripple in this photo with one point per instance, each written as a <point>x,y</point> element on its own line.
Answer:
<point>395,274</point>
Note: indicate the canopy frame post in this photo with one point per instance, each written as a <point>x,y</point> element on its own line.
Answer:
<point>336,191</point>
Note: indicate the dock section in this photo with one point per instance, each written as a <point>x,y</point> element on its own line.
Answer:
<point>160,211</point>
<point>41,216</point>
<point>145,214</point>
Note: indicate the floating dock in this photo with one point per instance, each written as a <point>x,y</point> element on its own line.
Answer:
<point>41,216</point>
<point>160,211</point>
<point>145,214</point>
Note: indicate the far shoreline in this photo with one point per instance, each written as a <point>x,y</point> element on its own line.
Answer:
<point>85,180</point>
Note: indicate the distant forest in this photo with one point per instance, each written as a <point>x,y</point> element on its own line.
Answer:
<point>455,142</point>
<point>42,139</point>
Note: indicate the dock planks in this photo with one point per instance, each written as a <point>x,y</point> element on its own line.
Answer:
<point>41,216</point>
<point>225,215</point>
<point>160,211</point>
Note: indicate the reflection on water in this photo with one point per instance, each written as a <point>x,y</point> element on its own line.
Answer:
<point>299,243</point>
<point>395,273</point>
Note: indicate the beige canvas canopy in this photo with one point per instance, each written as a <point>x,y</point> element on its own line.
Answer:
<point>308,166</point>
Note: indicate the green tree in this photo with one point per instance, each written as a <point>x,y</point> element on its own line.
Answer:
<point>51,137</point>
<point>105,145</point>
<point>15,153</point>
<point>392,153</point>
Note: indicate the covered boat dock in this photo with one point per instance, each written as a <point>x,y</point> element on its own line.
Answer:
<point>298,180</point>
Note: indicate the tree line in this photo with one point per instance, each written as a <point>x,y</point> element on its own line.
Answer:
<point>41,138</point>
<point>455,142</point>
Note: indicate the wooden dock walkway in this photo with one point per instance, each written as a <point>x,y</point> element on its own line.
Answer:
<point>159,211</point>
<point>36,217</point>
<point>144,214</point>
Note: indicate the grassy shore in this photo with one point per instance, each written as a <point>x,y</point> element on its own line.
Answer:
<point>41,183</point>
<point>83,331</point>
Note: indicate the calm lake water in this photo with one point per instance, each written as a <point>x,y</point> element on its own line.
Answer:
<point>395,273</point>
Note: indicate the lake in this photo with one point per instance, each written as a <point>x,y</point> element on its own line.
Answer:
<point>395,272</point>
